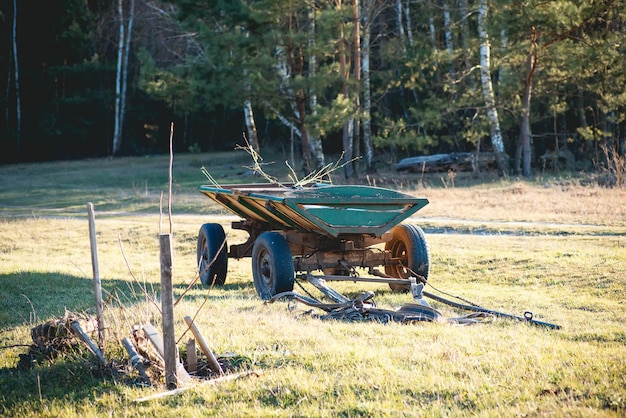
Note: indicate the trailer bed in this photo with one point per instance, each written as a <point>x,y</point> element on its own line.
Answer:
<point>323,209</point>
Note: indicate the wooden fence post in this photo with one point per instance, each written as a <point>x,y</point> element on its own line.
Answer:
<point>167,311</point>
<point>97,285</point>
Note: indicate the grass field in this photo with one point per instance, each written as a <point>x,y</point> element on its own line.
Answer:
<point>551,246</point>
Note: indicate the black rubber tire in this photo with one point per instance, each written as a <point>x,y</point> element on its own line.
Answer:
<point>409,244</point>
<point>272,265</point>
<point>210,240</point>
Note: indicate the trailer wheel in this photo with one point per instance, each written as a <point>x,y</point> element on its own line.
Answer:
<point>407,243</point>
<point>212,252</point>
<point>272,265</point>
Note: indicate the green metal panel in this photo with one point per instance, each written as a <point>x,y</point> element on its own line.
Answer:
<point>327,210</point>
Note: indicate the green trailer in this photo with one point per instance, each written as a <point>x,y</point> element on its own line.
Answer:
<point>297,231</point>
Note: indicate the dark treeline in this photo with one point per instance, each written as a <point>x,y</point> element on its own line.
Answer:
<point>535,82</point>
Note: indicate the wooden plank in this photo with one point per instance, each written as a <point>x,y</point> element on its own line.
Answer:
<point>155,338</point>
<point>206,382</point>
<point>192,358</point>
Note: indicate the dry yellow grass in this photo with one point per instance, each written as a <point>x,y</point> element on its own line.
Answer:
<point>317,368</point>
<point>520,201</point>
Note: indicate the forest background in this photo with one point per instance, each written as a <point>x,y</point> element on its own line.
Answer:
<point>532,81</point>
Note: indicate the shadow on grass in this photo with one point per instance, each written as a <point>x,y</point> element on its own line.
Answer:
<point>70,378</point>
<point>199,291</point>
<point>28,298</point>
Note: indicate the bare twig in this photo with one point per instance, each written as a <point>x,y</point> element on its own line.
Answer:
<point>33,314</point>
<point>160,212</point>
<point>257,159</point>
<point>143,289</point>
<point>199,273</point>
<point>206,299</point>
<point>322,175</point>
<point>210,177</point>
<point>169,186</point>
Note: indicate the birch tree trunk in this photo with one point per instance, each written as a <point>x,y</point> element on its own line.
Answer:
<point>315,142</point>
<point>312,151</point>
<point>401,34</point>
<point>356,42</point>
<point>367,93</point>
<point>344,71</point>
<point>465,42</point>
<point>18,106</point>
<point>117,134</point>
<point>248,114</point>
<point>129,31</point>
<point>402,14</point>
<point>447,27</point>
<point>487,89</point>
<point>409,30</point>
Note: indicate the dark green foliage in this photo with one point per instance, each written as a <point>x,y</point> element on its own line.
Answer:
<point>193,63</point>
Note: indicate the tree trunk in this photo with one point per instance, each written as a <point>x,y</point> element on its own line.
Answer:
<point>465,35</point>
<point>525,133</point>
<point>405,36</point>
<point>447,26</point>
<point>409,30</point>
<point>283,71</point>
<point>250,125</point>
<point>18,106</point>
<point>123,96</point>
<point>248,114</point>
<point>117,134</point>
<point>356,41</point>
<point>367,93</point>
<point>401,34</point>
<point>315,142</point>
<point>344,71</point>
<point>487,88</point>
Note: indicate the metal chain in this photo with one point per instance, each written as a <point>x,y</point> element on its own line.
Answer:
<point>299,283</point>
<point>423,280</point>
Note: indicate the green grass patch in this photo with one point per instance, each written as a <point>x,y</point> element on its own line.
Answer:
<point>570,275</point>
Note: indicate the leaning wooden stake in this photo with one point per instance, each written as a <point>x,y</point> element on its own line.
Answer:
<point>213,363</point>
<point>78,331</point>
<point>97,285</point>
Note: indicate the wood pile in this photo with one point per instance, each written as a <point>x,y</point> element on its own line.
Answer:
<point>456,161</point>
<point>144,348</point>
<point>54,337</point>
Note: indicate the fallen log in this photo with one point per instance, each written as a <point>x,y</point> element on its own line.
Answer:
<point>456,161</point>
